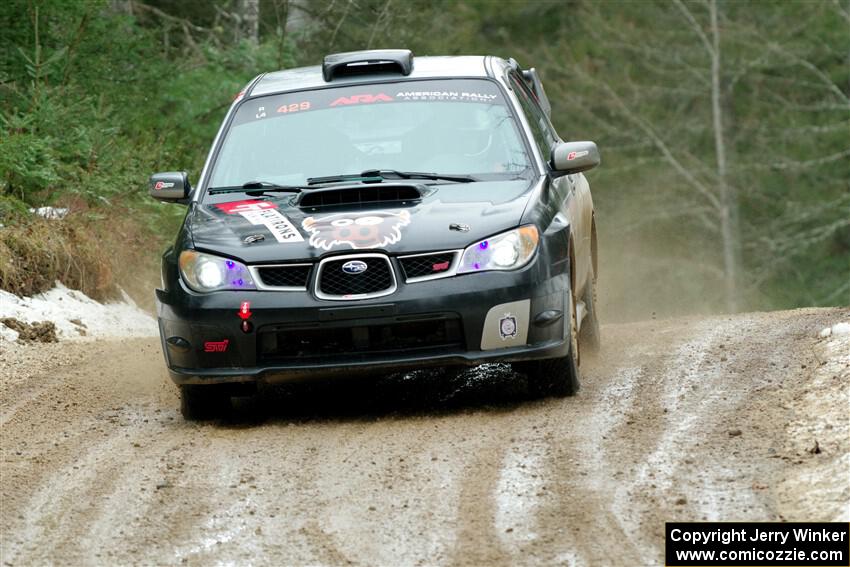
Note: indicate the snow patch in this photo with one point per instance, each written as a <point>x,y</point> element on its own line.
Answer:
<point>837,329</point>
<point>76,315</point>
<point>518,495</point>
<point>52,213</point>
<point>813,490</point>
<point>841,329</point>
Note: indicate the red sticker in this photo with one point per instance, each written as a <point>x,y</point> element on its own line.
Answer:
<point>294,107</point>
<point>216,346</point>
<point>571,156</point>
<point>235,207</point>
<point>362,98</point>
<point>441,267</point>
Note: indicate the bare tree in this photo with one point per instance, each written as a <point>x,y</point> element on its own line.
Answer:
<point>686,91</point>
<point>247,15</point>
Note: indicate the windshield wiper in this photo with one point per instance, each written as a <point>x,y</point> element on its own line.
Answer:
<point>257,188</point>
<point>378,175</point>
<point>420,175</point>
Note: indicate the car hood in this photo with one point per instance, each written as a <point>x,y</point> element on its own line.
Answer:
<point>274,228</point>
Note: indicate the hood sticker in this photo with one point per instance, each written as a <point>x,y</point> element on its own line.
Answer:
<point>276,223</point>
<point>234,207</point>
<point>374,229</point>
<point>266,214</point>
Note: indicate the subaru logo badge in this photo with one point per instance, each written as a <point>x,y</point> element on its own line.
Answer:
<point>354,267</point>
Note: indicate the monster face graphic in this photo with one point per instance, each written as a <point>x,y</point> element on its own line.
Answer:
<point>374,229</point>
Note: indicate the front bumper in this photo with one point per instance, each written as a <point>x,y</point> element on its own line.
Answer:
<point>460,320</point>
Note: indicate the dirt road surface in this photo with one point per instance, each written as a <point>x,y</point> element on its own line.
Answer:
<point>728,418</point>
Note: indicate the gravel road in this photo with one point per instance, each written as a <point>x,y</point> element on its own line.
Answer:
<point>727,418</point>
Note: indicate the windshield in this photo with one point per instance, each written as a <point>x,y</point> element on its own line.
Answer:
<point>447,126</point>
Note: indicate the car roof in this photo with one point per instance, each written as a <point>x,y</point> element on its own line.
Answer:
<point>425,67</point>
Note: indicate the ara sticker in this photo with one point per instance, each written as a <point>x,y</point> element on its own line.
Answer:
<point>362,99</point>
<point>375,229</point>
<point>216,346</point>
<point>573,155</point>
<point>507,327</point>
<point>265,214</point>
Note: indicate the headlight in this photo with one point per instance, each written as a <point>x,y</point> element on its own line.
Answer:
<point>507,251</point>
<point>205,272</point>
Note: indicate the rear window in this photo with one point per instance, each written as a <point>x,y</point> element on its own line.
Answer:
<point>460,126</point>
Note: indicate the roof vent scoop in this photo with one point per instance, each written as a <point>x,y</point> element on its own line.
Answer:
<point>367,62</point>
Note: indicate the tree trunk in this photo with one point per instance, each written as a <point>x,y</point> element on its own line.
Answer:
<point>123,7</point>
<point>729,229</point>
<point>248,13</point>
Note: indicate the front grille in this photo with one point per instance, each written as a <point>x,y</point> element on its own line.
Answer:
<point>335,283</point>
<point>296,275</point>
<point>427,265</point>
<point>437,333</point>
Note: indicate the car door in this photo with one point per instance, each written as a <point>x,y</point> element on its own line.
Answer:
<point>571,191</point>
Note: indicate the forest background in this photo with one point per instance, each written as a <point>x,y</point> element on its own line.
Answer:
<point>724,128</point>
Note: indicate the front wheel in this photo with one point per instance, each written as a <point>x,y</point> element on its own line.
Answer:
<point>199,402</point>
<point>558,377</point>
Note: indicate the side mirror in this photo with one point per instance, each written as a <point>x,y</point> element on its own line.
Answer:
<point>574,157</point>
<point>171,186</point>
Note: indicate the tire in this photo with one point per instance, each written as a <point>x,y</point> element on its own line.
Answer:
<point>558,377</point>
<point>203,402</point>
<point>590,337</point>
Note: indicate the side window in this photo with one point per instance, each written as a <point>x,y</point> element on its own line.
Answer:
<point>544,134</point>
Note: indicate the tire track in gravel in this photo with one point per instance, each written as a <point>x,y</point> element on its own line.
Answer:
<point>98,468</point>
<point>76,448</point>
<point>579,514</point>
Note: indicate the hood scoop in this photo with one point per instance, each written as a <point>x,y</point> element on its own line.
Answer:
<point>360,196</point>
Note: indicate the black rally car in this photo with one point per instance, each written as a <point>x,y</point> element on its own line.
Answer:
<point>381,212</point>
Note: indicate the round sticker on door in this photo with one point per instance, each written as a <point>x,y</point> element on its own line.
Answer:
<point>507,327</point>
